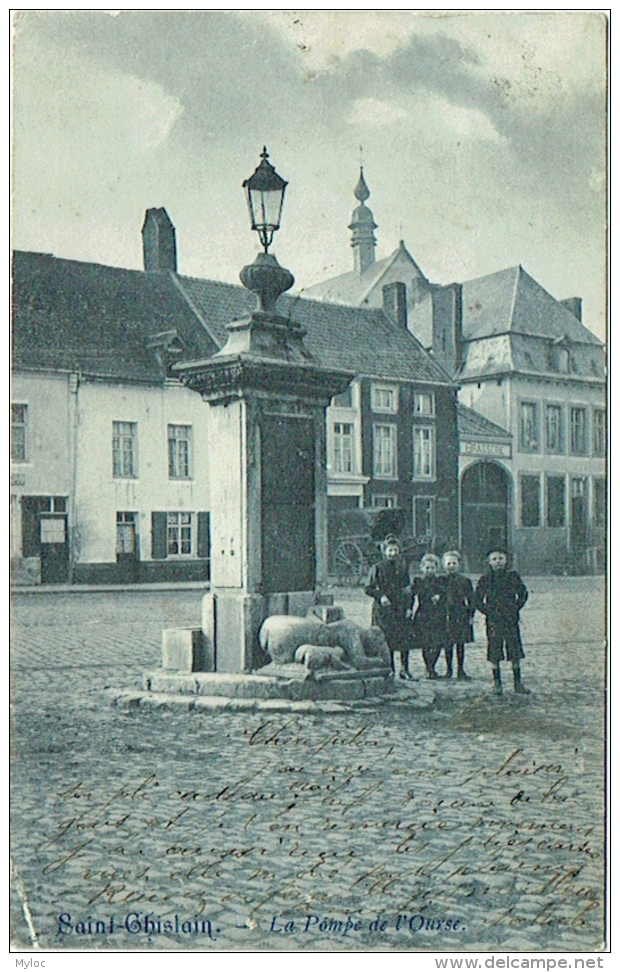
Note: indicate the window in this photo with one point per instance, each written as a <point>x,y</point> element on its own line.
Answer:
<point>423,516</point>
<point>423,403</point>
<point>424,452</point>
<point>556,501</point>
<point>528,428</point>
<point>345,399</point>
<point>124,435</point>
<point>343,447</point>
<point>554,431</point>
<point>600,503</point>
<point>126,524</point>
<point>52,504</point>
<point>179,534</point>
<point>179,449</point>
<point>384,398</point>
<point>530,501</point>
<point>598,432</point>
<point>384,451</point>
<point>578,431</point>
<point>384,501</point>
<point>560,358</point>
<point>578,487</point>
<point>18,432</point>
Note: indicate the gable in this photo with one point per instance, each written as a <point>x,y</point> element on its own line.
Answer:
<point>365,289</point>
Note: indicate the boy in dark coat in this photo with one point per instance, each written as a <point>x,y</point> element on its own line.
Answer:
<point>389,586</point>
<point>459,611</point>
<point>500,595</point>
<point>429,620</point>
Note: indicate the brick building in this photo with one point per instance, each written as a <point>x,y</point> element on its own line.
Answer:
<point>525,362</point>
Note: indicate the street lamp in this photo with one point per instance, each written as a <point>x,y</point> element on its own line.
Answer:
<point>265,196</point>
<point>265,277</point>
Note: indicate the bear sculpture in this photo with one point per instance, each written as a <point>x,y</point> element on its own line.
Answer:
<point>281,635</point>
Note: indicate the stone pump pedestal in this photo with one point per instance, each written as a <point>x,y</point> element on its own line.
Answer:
<point>266,429</point>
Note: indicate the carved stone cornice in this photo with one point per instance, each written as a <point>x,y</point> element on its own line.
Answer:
<point>225,378</point>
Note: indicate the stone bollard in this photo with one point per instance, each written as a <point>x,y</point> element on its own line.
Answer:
<point>185,650</point>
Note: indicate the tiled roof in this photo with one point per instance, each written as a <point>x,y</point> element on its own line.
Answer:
<point>96,320</point>
<point>471,423</point>
<point>512,324</point>
<point>358,339</point>
<point>353,288</point>
<point>511,300</point>
<point>99,320</point>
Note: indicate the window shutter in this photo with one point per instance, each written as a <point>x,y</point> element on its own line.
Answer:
<point>158,536</point>
<point>204,535</point>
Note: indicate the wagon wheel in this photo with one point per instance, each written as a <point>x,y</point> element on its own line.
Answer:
<point>349,563</point>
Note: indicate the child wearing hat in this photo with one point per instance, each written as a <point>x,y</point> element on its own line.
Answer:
<point>500,595</point>
<point>460,610</point>
<point>389,586</point>
<point>429,620</point>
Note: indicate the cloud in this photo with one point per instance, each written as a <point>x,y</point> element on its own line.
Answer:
<point>152,112</point>
<point>373,111</point>
<point>464,123</point>
<point>321,38</point>
<point>483,134</point>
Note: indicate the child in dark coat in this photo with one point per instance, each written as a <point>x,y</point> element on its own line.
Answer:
<point>389,586</point>
<point>460,610</point>
<point>500,595</point>
<point>429,620</point>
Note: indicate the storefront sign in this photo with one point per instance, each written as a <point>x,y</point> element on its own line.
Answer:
<point>500,449</point>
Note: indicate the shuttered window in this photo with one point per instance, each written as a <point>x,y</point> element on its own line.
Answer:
<point>180,534</point>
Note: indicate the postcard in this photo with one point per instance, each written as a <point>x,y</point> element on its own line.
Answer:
<point>308,481</point>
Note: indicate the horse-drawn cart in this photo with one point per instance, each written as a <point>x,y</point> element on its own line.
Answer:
<point>355,542</point>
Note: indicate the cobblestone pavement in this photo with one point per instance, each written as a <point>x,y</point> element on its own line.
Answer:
<point>473,825</point>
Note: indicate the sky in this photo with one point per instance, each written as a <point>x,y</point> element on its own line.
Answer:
<point>483,138</point>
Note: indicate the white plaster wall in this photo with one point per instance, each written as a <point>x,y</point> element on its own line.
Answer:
<point>48,467</point>
<point>99,495</point>
<point>499,400</point>
<point>491,398</point>
<point>566,394</point>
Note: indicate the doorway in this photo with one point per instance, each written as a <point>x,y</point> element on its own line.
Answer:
<point>485,499</point>
<point>45,536</point>
<point>578,521</point>
<point>127,551</point>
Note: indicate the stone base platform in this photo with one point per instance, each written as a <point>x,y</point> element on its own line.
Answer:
<point>414,696</point>
<point>286,682</point>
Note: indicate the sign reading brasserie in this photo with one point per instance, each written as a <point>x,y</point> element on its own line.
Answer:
<point>472,448</point>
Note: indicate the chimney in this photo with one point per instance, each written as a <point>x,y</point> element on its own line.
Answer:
<point>573,304</point>
<point>159,243</point>
<point>448,325</point>
<point>395,303</point>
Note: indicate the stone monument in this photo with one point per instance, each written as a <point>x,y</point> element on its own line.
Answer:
<point>267,398</point>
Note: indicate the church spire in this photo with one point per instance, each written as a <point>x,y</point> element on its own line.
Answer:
<point>362,228</point>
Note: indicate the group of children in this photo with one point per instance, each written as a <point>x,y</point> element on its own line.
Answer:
<point>434,612</point>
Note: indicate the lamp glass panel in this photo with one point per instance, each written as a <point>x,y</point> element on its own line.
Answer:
<point>266,208</point>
